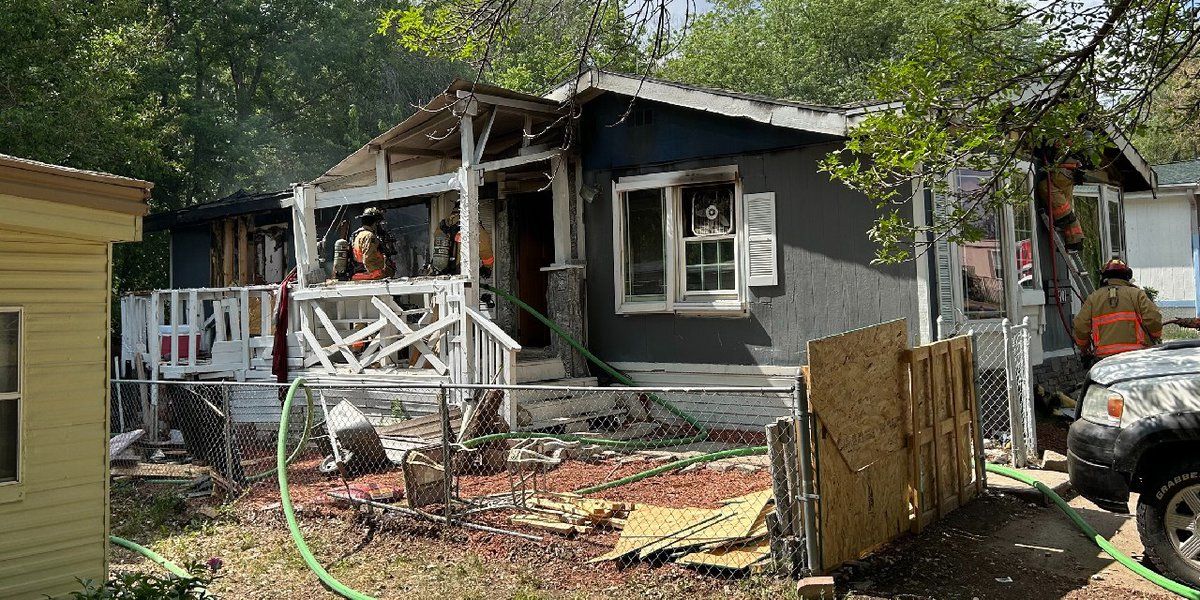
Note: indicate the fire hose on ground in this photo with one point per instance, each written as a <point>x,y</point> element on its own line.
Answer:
<point>1138,568</point>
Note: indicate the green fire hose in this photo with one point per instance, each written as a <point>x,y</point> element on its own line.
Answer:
<point>702,431</point>
<point>285,498</point>
<point>154,557</point>
<point>1138,568</point>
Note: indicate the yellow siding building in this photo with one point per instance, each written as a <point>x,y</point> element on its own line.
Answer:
<point>57,226</point>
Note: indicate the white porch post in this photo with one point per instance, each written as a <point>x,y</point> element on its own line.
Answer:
<point>468,213</point>
<point>304,219</point>
<point>560,191</point>
<point>468,180</point>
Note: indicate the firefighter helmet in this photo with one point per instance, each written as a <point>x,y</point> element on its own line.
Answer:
<point>1116,269</point>
<point>371,214</point>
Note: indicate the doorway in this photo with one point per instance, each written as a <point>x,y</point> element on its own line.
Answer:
<point>533,224</point>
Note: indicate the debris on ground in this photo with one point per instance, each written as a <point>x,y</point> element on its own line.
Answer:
<point>732,536</point>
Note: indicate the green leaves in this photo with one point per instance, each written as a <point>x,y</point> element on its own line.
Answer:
<point>996,89</point>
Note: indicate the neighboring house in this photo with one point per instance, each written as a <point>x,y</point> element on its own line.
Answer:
<point>1162,237</point>
<point>688,237</point>
<point>57,226</point>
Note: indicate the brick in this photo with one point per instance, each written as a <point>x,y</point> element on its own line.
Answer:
<point>815,588</point>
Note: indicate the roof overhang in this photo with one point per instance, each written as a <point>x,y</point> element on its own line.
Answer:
<point>425,137</point>
<point>1138,175</point>
<point>804,117</point>
<point>90,189</point>
<point>226,207</point>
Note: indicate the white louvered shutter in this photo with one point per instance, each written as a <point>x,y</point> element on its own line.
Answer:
<point>944,259</point>
<point>761,241</point>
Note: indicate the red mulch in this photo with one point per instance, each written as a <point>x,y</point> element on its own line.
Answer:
<point>700,488</point>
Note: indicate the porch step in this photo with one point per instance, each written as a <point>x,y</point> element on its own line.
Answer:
<point>539,414</point>
<point>540,370</point>
<point>533,396</point>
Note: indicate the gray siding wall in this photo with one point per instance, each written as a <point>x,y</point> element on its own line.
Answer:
<point>827,284</point>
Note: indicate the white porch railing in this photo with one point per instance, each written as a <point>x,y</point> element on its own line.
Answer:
<point>404,330</point>
<point>199,331</point>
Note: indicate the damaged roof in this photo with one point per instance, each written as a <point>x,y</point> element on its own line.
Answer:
<point>240,202</point>
<point>416,126</point>
<point>816,118</point>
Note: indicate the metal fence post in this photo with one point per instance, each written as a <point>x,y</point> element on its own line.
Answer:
<point>444,413</point>
<point>230,475</point>
<point>1027,392</point>
<point>808,495</point>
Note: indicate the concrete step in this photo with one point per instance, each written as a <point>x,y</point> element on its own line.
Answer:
<point>540,370</point>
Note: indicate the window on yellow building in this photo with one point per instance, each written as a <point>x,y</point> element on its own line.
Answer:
<point>10,394</point>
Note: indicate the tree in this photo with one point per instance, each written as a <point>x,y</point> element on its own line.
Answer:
<point>968,91</point>
<point>821,51</point>
<point>527,45</point>
<point>1051,81</point>
<point>201,98</point>
<point>1172,129</point>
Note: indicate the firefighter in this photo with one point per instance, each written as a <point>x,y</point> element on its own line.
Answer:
<point>366,244</point>
<point>1118,317</point>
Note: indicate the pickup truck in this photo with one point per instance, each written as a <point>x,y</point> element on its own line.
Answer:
<point>1137,430</point>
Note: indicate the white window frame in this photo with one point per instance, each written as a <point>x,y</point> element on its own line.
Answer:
<point>1106,196</point>
<point>1015,296</point>
<point>675,298</point>
<point>11,491</point>
<point>1028,296</point>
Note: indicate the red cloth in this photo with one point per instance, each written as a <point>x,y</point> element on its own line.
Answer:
<point>279,349</point>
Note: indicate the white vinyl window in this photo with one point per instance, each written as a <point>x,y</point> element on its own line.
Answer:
<point>680,238</point>
<point>10,395</point>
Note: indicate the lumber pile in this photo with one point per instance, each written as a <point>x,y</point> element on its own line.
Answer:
<point>734,536</point>
<point>570,514</point>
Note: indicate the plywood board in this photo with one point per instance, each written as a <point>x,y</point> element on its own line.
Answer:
<point>732,522</point>
<point>857,377</point>
<point>648,524</point>
<point>859,510</point>
<point>736,557</point>
<point>857,386</point>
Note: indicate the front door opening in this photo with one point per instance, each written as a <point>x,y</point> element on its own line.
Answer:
<point>533,222</point>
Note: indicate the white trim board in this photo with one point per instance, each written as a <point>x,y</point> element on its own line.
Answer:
<point>826,120</point>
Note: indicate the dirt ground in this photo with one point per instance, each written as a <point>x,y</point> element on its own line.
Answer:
<point>1001,546</point>
<point>998,546</point>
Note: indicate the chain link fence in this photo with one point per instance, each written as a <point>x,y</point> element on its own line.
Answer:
<point>613,474</point>
<point>1004,388</point>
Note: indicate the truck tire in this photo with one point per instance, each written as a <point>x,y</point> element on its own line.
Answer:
<point>1168,519</point>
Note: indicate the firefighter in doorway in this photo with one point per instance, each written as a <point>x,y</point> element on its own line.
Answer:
<point>1118,317</point>
<point>370,248</point>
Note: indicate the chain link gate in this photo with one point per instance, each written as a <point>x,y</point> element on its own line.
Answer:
<point>1004,382</point>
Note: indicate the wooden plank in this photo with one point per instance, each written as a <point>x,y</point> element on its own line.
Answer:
<point>855,383</point>
<point>338,342</point>
<point>857,389</point>
<point>427,353</point>
<point>227,239</point>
